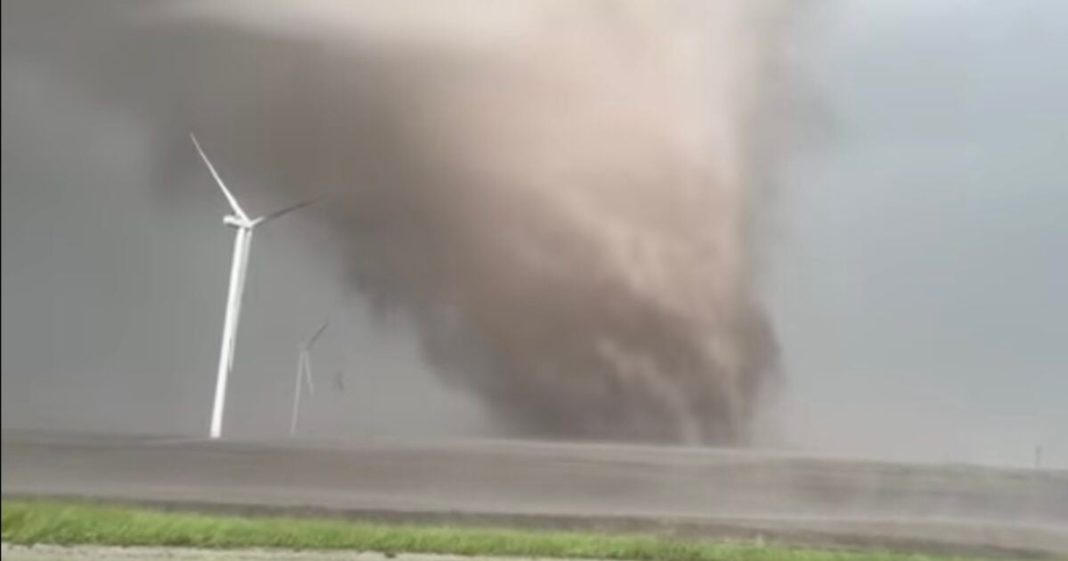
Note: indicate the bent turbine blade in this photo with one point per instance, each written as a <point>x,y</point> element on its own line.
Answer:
<point>315,336</point>
<point>286,210</point>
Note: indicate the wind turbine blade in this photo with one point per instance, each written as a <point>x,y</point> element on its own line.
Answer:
<point>316,335</point>
<point>286,210</point>
<point>218,180</point>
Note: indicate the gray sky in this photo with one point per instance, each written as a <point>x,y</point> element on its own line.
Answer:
<point>921,256</point>
<point>918,270</point>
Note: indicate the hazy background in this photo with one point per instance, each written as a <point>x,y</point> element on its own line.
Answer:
<point>921,266</point>
<point>917,260</point>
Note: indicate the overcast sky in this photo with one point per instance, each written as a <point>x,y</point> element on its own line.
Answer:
<point>919,262</point>
<point>922,253</point>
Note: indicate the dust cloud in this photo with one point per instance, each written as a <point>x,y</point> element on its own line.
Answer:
<point>565,197</point>
<point>566,208</point>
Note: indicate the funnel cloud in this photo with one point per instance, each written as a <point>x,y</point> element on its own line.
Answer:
<point>567,209</point>
<point>561,195</point>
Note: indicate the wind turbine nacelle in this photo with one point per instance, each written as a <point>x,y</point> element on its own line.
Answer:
<point>234,221</point>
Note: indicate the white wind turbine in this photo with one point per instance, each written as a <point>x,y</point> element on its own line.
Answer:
<point>243,225</point>
<point>304,375</point>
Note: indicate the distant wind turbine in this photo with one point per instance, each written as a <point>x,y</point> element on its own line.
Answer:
<point>304,375</point>
<point>244,225</point>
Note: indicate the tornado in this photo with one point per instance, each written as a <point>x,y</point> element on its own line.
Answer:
<point>565,197</point>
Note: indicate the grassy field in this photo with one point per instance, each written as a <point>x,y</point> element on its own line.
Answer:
<point>68,523</point>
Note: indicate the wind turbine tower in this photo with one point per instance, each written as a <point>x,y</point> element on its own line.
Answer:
<point>304,375</point>
<point>243,226</point>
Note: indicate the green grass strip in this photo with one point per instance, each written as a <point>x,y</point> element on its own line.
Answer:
<point>28,522</point>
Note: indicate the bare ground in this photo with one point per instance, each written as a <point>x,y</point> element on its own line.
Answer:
<point>673,491</point>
